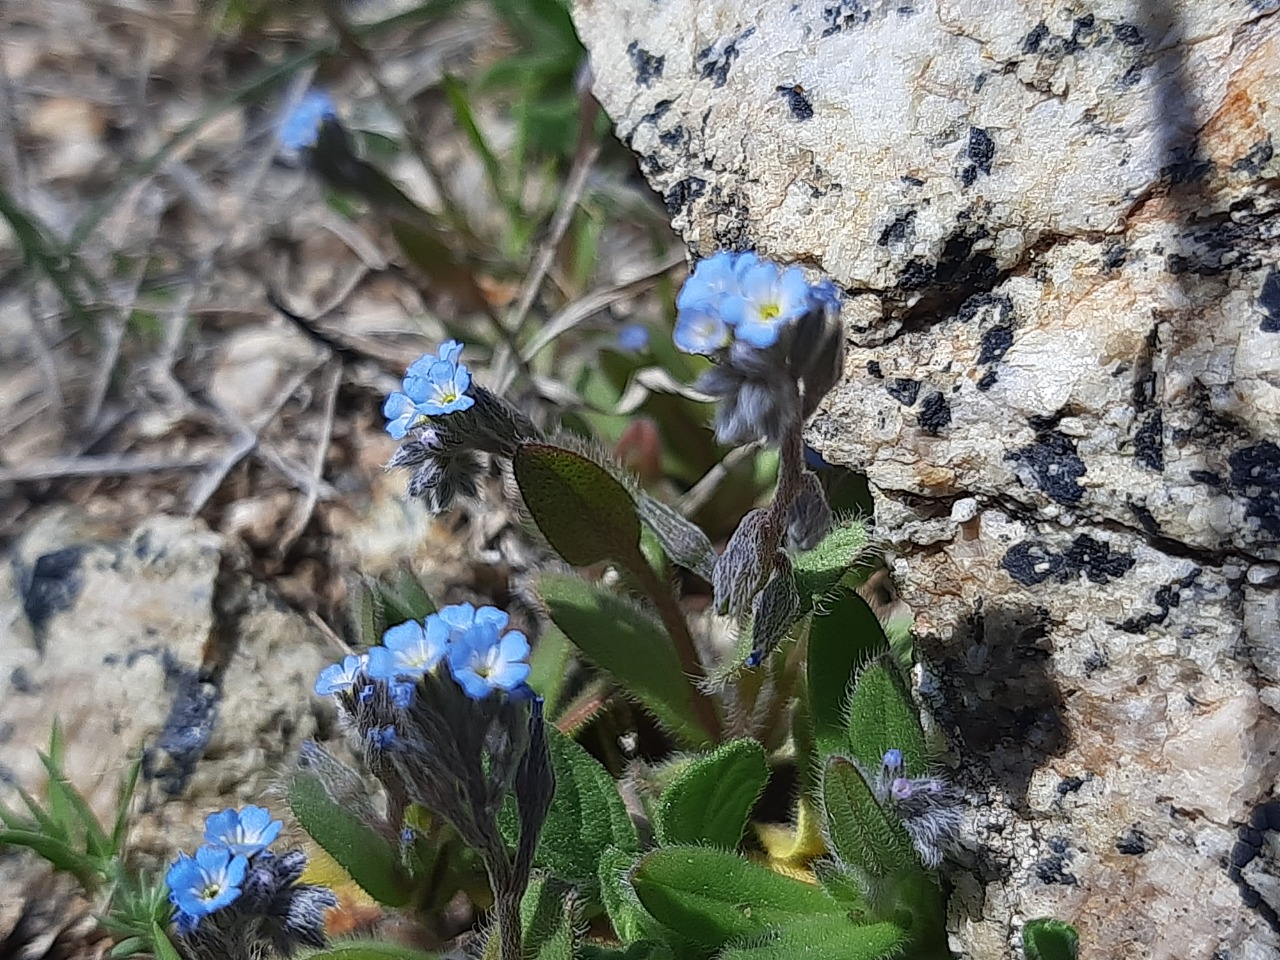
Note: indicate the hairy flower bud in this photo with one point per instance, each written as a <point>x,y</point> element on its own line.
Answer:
<point>809,516</point>
<point>774,611</point>
<point>741,570</point>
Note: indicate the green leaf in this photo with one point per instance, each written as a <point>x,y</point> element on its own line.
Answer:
<point>128,947</point>
<point>161,945</point>
<point>59,854</point>
<point>625,643</point>
<point>711,799</point>
<point>711,897</point>
<point>841,638</point>
<point>819,571</point>
<point>127,787</point>
<point>587,816</point>
<point>641,950</point>
<point>586,515</point>
<point>882,716</point>
<point>63,796</point>
<point>1048,939</point>
<point>629,920</point>
<point>404,598</point>
<point>857,829</point>
<point>548,921</point>
<point>549,667</point>
<point>371,950</point>
<point>842,882</point>
<point>823,938</point>
<point>366,855</point>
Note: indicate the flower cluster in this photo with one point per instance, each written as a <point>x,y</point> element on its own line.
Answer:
<point>443,419</point>
<point>929,808</point>
<point>775,336</point>
<point>235,898</point>
<point>299,127</point>
<point>444,719</point>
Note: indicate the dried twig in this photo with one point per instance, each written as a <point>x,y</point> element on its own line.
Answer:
<point>103,466</point>
<point>302,512</point>
<point>697,496</point>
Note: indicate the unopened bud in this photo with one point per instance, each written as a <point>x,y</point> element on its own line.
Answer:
<point>774,611</point>
<point>741,570</point>
<point>809,516</point>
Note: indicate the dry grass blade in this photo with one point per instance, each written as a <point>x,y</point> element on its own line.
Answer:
<point>306,506</point>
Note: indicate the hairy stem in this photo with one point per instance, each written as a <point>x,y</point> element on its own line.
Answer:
<point>678,628</point>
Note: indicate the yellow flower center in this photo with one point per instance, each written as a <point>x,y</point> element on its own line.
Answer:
<point>769,310</point>
<point>210,891</point>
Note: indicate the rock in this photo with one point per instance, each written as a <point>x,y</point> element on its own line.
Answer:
<point>1056,226</point>
<point>156,643</point>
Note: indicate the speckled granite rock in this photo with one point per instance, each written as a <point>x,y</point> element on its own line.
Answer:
<point>157,641</point>
<point>1056,223</point>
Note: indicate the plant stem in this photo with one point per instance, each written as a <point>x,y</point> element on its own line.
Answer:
<point>678,628</point>
<point>510,946</point>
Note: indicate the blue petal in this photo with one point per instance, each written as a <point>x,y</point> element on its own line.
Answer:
<point>699,331</point>
<point>300,127</point>
<point>219,826</point>
<point>404,637</point>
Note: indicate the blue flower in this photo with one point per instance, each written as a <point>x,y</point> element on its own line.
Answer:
<point>382,738</point>
<point>300,127</point>
<point>768,299</point>
<point>435,385</point>
<point>409,649</point>
<point>340,676</point>
<point>204,883</point>
<point>633,338</point>
<point>401,694</point>
<point>700,329</point>
<point>712,279</point>
<point>483,659</point>
<point>461,617</point>
<point>892,760</point>
<point>245,832</point>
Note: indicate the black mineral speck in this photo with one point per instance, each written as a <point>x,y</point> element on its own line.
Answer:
<point>981,149</point>
<point>1127,34</point>
<point>1053,869</point>
<point>843,15</point>
<point>647,67</point>
<point>1069,785</point>
<point>21,681</point>
<point>873,368</point>
<point>1031,563</point>
<point>1114,256</point>
<point>988,381</point>
<point>995,343</point>
<point>935,413</point>
<point>1167,597</point>
<point>900,231</point>
<point>54,585</point>
<point>1096,560</point>
<point>1133,843</point>
<point>658,112</point>
<point>1255,477</point>
<point>1269,302</point>
<point>1148,442</point>
<point>683,192</point>
<point>1031,42</point>
<point>715,66</point>
<point>1094,662</point>
<point>1266,816</point>
<point>903,390</point>
<point>916,273</point>
<point>172,760</point>
<point>1055,465</point>
<point>797,102</point>
<point>1207,477</point>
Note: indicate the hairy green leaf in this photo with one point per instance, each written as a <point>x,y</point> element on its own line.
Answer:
<point>586,515</point>
<point>362,851</point>
<point>843,882</point>
<point>1047,939</point>
<point>857,829</point>
<point>549,667</point>
<point>882,716</point>
<point>630,921</point>
<point>59,854</point>
<point>547,924</point>
<point>161,946</point>
<point>711,799</point>
<point>820,570</point>
<point>841,638</point>
<point>625,643</point>
<point>586,817</point>
<point>710,897</point>
<point>404,598</point>
<point>823,938</point>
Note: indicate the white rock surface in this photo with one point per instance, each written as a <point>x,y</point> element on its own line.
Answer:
<point>157,642</point>
<point>1056,225</point>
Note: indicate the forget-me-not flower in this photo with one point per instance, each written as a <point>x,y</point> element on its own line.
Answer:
<point>767,299</point>
<point>245,832</point>
<point>435,385</point>
<point>409,649</point>
<point>633,338</point>
<point>299,128</point>
<point>340,676</point>
<point>204,883</point>
<point>484,659</point>
<point>700,329</point>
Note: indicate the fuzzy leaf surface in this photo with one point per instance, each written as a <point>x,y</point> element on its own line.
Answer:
<point>882,716</point>
<point>711,799</point>
<point>841,638</point>
<point>819,571</point>
<point>710,897</point>
<point>371,950</point>
<point>858,830</point>
<point>366,855</point>
<point>684,542</point>
<point>1050,940</point>
<point>626,916</point>
<point>587,816</point>
<point>823,938</point>
<point>586,515</point>
<point>624,642</point>
<point>546,924</point>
